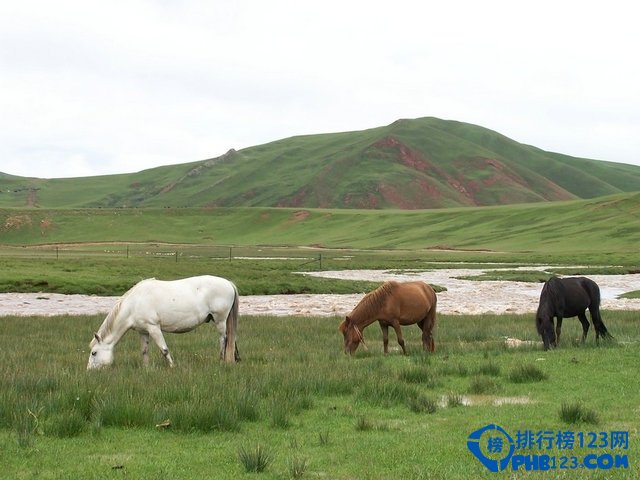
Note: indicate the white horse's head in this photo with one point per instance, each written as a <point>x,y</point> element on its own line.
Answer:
<point>101,354</point>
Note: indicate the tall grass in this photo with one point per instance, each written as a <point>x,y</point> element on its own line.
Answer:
<point>577,412</point>
<point>295,394</point>
<point>255,460</point>
<point>527,373</point>
<point>290,365</point>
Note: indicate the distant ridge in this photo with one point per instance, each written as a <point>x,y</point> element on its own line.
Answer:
<point>409,164</point>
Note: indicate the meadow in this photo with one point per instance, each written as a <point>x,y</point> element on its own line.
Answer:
<point>296,406</point>
<point>579,228</point>
<point>301,405</point>
<point>113,268</point>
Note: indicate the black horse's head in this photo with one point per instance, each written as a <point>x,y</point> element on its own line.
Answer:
<point>550,304</point>
<point>544,324</point>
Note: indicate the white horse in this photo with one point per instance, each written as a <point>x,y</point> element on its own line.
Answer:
<point>154,306</point>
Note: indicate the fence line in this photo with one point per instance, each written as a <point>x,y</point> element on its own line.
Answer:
<point>149,251</point>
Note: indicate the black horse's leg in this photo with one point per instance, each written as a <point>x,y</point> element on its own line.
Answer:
<point>585,326</point>
<point>558,330</point>
<point>385,336</point>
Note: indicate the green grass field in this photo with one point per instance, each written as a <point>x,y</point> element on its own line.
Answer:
<point>298,400</point>
<point>606,228</point>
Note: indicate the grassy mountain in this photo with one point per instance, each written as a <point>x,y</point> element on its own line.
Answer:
<point>410,164</point>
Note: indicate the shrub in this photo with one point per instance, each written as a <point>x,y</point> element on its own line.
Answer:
<point>422,376</point>
<point>65,425</point>
<point>527,373</point>
<point>422,404</point>
<point>455,400</point>
<point>256,460</point>
<point>297,467</point>
<point>577,413</point>
<point>490,369</point>
<point>323,437</point>
<point>481,384</point>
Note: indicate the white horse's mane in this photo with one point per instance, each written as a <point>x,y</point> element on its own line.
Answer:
<point>107,325</point>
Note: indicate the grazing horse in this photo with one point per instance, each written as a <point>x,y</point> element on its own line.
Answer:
<point>154,306</point>
<point>568,297</point>
<point>393,304</point>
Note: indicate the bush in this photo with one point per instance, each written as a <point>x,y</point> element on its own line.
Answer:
<point>481,384</point>
<point>526,374</point>
<point>422,404</point>
<point>256,460</point>
<point>577,413</point>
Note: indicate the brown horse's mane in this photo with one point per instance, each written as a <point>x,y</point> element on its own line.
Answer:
<point>372,302</point>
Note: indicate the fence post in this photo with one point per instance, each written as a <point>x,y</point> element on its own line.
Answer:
<point>320,260</point>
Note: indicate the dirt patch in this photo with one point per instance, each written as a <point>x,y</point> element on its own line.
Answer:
<point>301,215</point>
<point>463,297</point>
<point>16,222</point>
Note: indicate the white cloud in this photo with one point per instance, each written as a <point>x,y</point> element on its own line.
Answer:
<point>111,87</point>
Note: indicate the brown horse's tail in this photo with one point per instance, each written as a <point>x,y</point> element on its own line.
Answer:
<point>230,348</point>
<point>432,320</point>
<point>429,321</point>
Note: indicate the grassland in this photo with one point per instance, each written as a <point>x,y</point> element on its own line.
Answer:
<point>304,402</point>
<point>602,227</point>
<point>314,412</point>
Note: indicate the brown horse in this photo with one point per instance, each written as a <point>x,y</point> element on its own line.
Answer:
<point>393,304</point>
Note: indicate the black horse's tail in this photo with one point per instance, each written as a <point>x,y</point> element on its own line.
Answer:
<point>593,290</point>
<point>598,324</point>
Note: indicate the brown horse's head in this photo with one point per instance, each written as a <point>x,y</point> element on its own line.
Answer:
<point>352,335</point>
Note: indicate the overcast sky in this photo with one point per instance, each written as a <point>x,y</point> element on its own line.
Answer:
<point>100,87</point>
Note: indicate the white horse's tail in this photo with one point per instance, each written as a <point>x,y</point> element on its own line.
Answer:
<point>232,328</point>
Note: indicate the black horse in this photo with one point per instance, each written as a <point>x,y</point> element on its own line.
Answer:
<point>568,297</point>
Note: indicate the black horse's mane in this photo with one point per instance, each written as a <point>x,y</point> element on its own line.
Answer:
<point>551,300</point>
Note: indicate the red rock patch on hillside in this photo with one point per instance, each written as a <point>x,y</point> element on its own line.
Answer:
<point>490,174</point>
<point>405,154</point>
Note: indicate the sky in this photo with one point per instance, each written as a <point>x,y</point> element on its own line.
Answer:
<point>104,87</point>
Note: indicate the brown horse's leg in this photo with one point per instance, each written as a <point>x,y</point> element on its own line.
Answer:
<point>396,327</point>
<point>427,341</point>
<point>428,344</point>
<point>385,336</point>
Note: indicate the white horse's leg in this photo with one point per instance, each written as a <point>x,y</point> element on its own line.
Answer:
<point>144,346</point>
<point>157,336</point>
<point>222,330</point>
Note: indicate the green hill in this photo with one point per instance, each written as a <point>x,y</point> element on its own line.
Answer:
<point>597,226</point>
<point>410,164</point>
